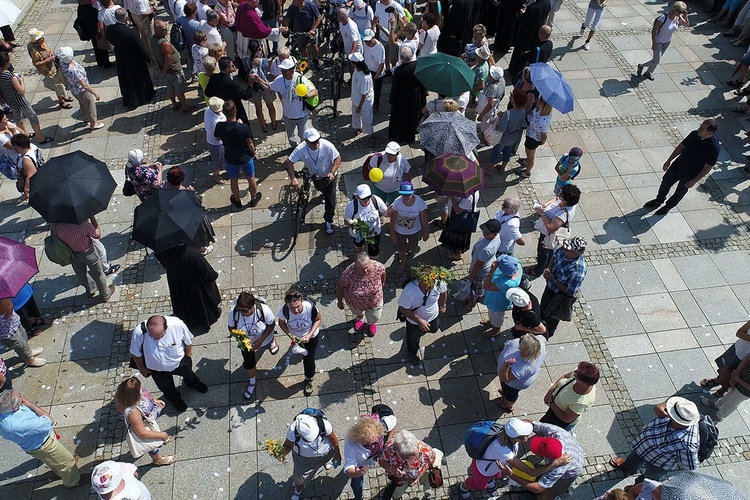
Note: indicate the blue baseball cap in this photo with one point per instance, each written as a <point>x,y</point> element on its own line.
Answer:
<point>406,188</point>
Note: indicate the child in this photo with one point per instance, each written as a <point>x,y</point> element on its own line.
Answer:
<point>593,17</point>
<point>480,40</point>
<point>567,168</point>
<point>199,51</point>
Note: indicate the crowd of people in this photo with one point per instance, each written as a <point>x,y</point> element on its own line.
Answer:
<point>233,52</point>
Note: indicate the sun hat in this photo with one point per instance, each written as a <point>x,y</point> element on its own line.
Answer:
<point>496,72</point>
<point>518,297</point>
<point>575,244</point>
<point>491,226</point>
<point>106,477</point>
<point>683,411</point>
<point>406,187</point>
<point>392,148</point>
<point>362,191</point>
<point>515,427</point>
<point>356,57</point>
<point>483,53</point>
<point>35,34</point>
<point>215,104</point>
<point>546,447</point>
<point>508,265</point>
<point>306,426</point>
<point>312,135</point>
<point>65,54</point>
<point>286,63</point>
<point>368,34</point>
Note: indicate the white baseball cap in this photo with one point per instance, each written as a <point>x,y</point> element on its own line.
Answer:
<point>286,63</point>
<point>368,34</point>
<point>362,191</point>
<point>359,3</point>
<point>515,427</point>
<point>356,57</point>
<point>392,148</point>
<point>312,135</point>
<point>518,297</point>
<point>306,426</point>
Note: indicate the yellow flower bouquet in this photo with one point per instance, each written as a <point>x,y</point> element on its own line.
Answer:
<point>432,274</point>
<point>243,341</point>
<point>274,449</point>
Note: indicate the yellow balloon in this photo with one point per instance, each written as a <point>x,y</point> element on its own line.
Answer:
<point>301,90</point>
<point>376,175</point>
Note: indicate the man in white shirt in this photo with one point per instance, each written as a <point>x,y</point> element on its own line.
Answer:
<point>349,35</point>
<point>295,112</point>
<point>382,23</point>
<point>322,159</point>
<point>362,15</point>
<point>210,28</point>
<point>161,348</point>
<point>143,17</point>
<point>211,117</point>
<point>369,208</point>
<point>178,8</point>
<point>374,53</point>
<point>428,35</point>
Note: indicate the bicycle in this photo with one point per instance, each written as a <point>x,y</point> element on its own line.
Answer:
<point>296,41</point>
<point>303,198</point>
<point>333,67</point>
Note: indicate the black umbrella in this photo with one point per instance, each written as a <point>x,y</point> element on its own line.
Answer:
<point>71,188</point>
<point>168,219</point>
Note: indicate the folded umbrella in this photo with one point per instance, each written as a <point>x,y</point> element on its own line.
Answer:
<point>444,74</point>
<point>167,219</point>
<point>694,486</point>
<point>453,133</point>
<point>9,13</point>
<point>71,188</point>
<point>17,266</point>
<point>453,175</point>
<point>552,87</point>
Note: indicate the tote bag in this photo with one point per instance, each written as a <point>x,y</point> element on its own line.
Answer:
<point>139,446</point>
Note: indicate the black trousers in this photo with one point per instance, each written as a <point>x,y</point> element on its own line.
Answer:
<point>26,311</point>
<point>413,334</point>
<point>88,17</point>
<point>551,322</point>
<point>329,198</point>
<point>165,380</point>
<point>543,255</point>
<point>377,86</point>
<point>672,177</point>
<point>308,362</point>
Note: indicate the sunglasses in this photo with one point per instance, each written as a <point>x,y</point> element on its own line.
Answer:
<point>245,310</point>
<point>292,296</point>
<point>370,445</point>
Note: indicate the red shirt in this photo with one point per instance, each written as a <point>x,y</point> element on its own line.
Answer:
<point>77,236</point>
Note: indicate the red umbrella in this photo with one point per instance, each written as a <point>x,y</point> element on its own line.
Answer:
<point>453,175</point>
<point>17,266</point>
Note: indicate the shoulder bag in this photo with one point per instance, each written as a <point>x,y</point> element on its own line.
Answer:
<point>560,307</point>
<point>139,446</point>
<point>554,240</point>
<point>467,221</point>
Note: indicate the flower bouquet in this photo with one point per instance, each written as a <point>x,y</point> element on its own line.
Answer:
<point>274,449</point>
<point>243,342</point>
<point>298,347</point>
<point>362,229</point>
<point>432,275</point>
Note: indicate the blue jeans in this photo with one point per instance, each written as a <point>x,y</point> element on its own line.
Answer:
<point>357,484</point>
<point>499,151</point>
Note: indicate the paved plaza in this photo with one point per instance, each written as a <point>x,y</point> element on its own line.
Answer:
<point>662,299</point>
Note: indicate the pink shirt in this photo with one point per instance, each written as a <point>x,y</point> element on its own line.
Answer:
<point>248,23</point>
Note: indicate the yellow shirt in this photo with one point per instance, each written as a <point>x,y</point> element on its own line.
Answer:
<point>568,398</point>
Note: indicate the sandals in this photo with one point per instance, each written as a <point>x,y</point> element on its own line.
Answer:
<point>709,383</point>
<point>65,105</point>
<point>168,460</point>
<point>616,462</point>
<point>249,391</point>
<point>274,347</point>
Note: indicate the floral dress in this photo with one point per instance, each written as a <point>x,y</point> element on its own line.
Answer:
<point>147,407</point>
<point>364,293</point>
<point>412,470</point>
<point>145,180</point>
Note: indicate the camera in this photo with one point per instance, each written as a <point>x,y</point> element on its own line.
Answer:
<point>390,9</point>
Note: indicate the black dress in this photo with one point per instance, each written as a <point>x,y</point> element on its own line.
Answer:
<point>132,61</point>
<point>528,33</point>
<point>460,17</point>
<point>407,98</point>
<point>192,287</point>
<point>507,18</point>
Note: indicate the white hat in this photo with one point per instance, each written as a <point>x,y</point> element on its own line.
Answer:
<point>496,72</point>
<point>306,426</point>
<point>368,34</point>
<point>359,3</point>
<point>286,63</point>
<point>362,191</point>
<point>683,411</point>
<point>312,135</point>
<point>392,148</point>
<point>215,104</point>
<point>518,296</point>
<point>135,156</point>
<point>483,53</point>
<point>65,54</point>
<point>106,477</point>
<point>515,427</point>
<point>389,422</point>
<point>356,57</point>
<point>35,34</point>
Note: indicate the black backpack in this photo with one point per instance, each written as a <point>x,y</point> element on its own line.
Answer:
<point>374,204</point>
<point>178,38</point>
<point>709,436</point>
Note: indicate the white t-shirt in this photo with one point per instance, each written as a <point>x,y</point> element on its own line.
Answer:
<point>356,455</point>
<point>510,231</point>
<point>667,29</point>
<point>362,18</point>
<point>428,39</point>
<point>384,18</point>
<point>495,451</point>
<point>299,324</point>
<point>320,447</point>
<point>362,86</point>
<point>107,16</point>
<point>412,44</point>
<point>350,36</point>
<point>255,324</point>
<point>273,69</point>
<point>291,103</point>
<point>565,214</point>
<point>165,354</point>
<point>741,348</point>
<point>393,173</point>
<point>320,161</point>
<point>178,8</point>
<point>10,153</point>
<point>412,297</point>
<point>374,57</point>
<point>407,218</point>
<point>134,489</point>
<point>202,10</point>
<point>210,119</point>
<point>370,214</point>
<point>469,203</point>
<point>212,34</point>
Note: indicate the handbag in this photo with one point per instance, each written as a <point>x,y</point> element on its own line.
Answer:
<point>127,188</point>
<point>460,289</point>
<point>554,240</point>
<point>465,222</point>
<point>139,446</point>
<point>492,135</point>
<point>560,307</point>
<point>435,477</point>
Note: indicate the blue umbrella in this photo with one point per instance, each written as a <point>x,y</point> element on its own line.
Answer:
<point>552,87</point>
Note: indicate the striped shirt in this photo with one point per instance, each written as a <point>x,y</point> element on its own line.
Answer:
<point>667,448</point>
<point>570,446</point>
<point>9,92</point>
<point>77,236</point>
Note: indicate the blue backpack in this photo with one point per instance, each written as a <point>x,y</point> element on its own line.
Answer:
<point>480,436</point>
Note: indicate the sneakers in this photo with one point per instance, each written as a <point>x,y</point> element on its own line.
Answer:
<point>329,228</point>
<point>586,46</point>
<point>179,404</point>
<point>414,358</point>
<point>463,492</point>
<point>208,250</point>
<point>111,289</point>
<point>583,30</point>
<point>652,204</point>
<point>640,70</point>
<point>200,387</point>
<point>36,352</point>
<point>371,330</point>
<point>308,390</point>
<point>235,203</point>
<point>328,466</point>
<point>113,268</point>
<point>649,76</point>
<point>37,362</point>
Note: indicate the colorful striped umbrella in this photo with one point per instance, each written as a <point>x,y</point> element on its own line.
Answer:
<point>453,175</point>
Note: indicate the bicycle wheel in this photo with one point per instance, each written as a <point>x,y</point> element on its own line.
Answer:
<point>301,212</point>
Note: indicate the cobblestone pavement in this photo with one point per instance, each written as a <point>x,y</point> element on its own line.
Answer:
<point>663,297</point>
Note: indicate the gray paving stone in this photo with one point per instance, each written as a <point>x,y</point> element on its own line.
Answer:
<point>697,271</point>
<point>686,367</point>
<point>601,282</point>
<point>631,345</point>
<point>720,305</point>
<point>646,367</point>
<point>638,278</point>
<point>615,317</point>
<point>657,312</point>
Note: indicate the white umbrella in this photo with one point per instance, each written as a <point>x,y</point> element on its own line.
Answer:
<point>9,13</point>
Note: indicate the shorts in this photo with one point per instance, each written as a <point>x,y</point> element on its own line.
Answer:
<point>408,242</point>
<point>306,467</point>
<point>20,113</point>
<point>531,144</point>
<point>266,95</point>
<point>561,486</point>
<point>509,393</point>
<point>217,155</point>
<point>233,171</point>
<point>176,82</point>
